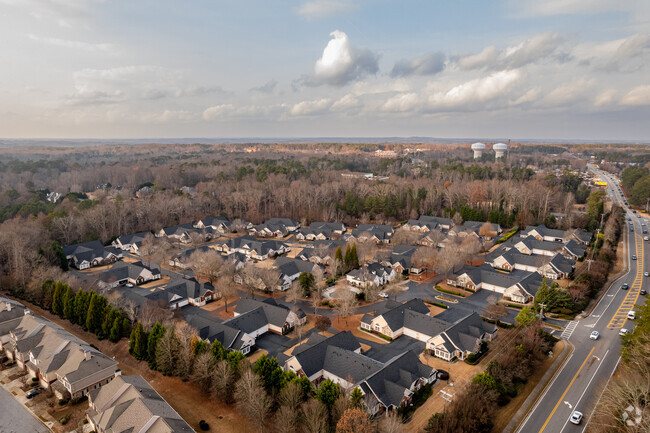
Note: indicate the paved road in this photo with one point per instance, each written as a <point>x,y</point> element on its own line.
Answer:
<point>15,418</point>
<point>578,383</point>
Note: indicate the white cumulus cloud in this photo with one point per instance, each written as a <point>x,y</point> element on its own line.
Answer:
<point>639,95</point>
<point>310,108</point>
<point>342,63</point>
<point>218,111</point>
<point>429,64</point>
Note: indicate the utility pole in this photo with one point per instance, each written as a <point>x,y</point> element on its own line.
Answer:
<point>541,310</point>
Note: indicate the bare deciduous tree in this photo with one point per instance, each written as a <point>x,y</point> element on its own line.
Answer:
<point>252,399</point>
<point>391,423</point>
<point>203,370</point>
<point>345,304</point>
<point>314,416</point>
<point>207,264</point>
<point>222,381</point>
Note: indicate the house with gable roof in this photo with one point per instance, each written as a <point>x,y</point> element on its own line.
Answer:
<point>461,338</point>
<point>90,254</point>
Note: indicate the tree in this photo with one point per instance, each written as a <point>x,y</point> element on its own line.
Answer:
<point>268,369</point>
<point>391,423</point>
<point>68,305</point>
<point>226,283</point>
<point>354,257</point>
<point>207,264</point>
<point>346,304</point>
<point>354,421</point>
<point>328,393</point>
<point>167,351</point>
<point>494,310</point>
<point>487,230</point>
<point>251,398</point>
<point>115,333</point>
<point>96,310</point>
<point>338,256</point>
<point>526,316</point>
<point>58,298</point>
<point>425,258</point>
<point>356,397</point>
<point>152,342</point>
<point>139,339</point>
<point>323,323</point>
<point>347,260</point>
<point>222,381</point>
<point>203,370</point>
<point>306,281</point>
<point>314,416</point>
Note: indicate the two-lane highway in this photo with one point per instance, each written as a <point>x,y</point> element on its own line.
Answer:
<point>577,384</point>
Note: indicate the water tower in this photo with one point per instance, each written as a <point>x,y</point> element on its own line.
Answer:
<point>478,149</point>
<point>500,150</point>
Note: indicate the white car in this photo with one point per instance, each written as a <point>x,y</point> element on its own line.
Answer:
<point>594,335</point>
<point>623,331</point>
<point>646,274</point>
<point>576,417</point>
<point>129,285</point>
<point>383,295</point>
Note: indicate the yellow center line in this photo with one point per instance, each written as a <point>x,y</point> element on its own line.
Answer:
<point>567,389</point>
<point>618,320</point>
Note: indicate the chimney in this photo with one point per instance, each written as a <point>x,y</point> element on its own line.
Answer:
<point>87,355</point>
<point>118,372</point>
<point>8,304</point>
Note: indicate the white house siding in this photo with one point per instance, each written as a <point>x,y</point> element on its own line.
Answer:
<point>492,287</point>
<point>417,335</point>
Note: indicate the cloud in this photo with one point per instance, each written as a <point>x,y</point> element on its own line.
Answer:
<point>475,93</point>
<point>531,50</point>
<point>630,54</point>
<point>605,97</point>
<point>485,58</point>
<point>310,108</point>
<point>133,83</point>
<point>429,64</point>
<point>341,63</point>
<point>169,116</point>
<point>347,103</point>
<point>218,111</point>
<point>536,8</point>
<point>402,103</point>
<point>76,45</point>
<point>639,95</point>
<point>569,93</point>
<point>269,87</point>
<point>324,8</point>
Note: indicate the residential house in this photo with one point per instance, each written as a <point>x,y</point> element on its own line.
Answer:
<point>518,286</point>
<point>400,259</point>
<point>230,337</point>
<point>218,224</point>
<point>543,233</point>
<point>180,292</point>
<point>183,233</point>
<point>555,267</point>
<point>321,252</point>
<point>373,274</point>
<point>251,247</point>
<point>320,231</point>
<point>391,322</point>
<point>11,313</point>
<point>131,243</point>
<point>379,233</point>
<point>443,223</point>
<point>275,227</point>
<point>122,273</point>
<point>387,386</point>
<point>130,404</point>
<point>290,269</point>
<point>60,361</point>
<point>461,338</point>
<point>259,317</point>
<point>182,260</point>
<point>89,254</point>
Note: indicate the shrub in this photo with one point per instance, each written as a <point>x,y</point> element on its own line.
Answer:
<point>62,402</point>
<point>34,379</point>
<point>64,420</point>
<point>440,289</point>
<point>440,304</point>
<point>203,425</point>
<point>360,296</point>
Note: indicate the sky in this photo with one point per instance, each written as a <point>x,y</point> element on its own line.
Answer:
<point>552,69</point>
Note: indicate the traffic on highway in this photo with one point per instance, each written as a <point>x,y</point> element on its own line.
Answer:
<point>568,401</point>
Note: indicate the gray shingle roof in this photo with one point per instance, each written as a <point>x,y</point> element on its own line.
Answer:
<point>395,317</point>
<point>312,359</point>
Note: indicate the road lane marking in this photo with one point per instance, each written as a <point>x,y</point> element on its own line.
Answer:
<point>566,334</point>
<point>587,387</point>
<point>618,361</point>
<point>631,298</point>
<point>567,389</point>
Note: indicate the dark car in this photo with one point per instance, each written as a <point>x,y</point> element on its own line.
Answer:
<point>643,292</point>
<point>633,257</point>
<point>625,286</point>
<point>32,393</point>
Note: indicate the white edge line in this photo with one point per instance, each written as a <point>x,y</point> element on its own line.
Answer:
<point>575,407</point>
<point>601,394</point>
<point>548,386</point>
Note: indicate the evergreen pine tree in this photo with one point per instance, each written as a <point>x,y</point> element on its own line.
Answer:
<point>218,351</point>
<point>154,336</point>
<point>95,316</point>
<point>68,306</point>
<point>57,298</point>
<point>116,331</point>
<point>126,327</point>
<point>81,301</point>
<point>140,342</point>
<point>354,258</point>
<point>348,257</point>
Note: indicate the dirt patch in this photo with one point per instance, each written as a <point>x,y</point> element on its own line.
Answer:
<point>220,304</point>
<point>424,277</point>
<point>130,260</point>
<point>185,397</point>
<point>434,310</point>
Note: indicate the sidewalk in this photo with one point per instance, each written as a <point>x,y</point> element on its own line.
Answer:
<point>536,394</point>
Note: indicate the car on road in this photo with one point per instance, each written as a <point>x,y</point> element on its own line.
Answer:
<point>646,274</point>
<point>631,315</point>
<point>623,331</point>
<point>642,292</point>
<point>625,286</point>
<point>383,295</point>
<point>32,393</point>
<point>129,285</point>
<point>645,238</point>
<point>576,417</point>
<point>633,257</point>
<point>594,335</point>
